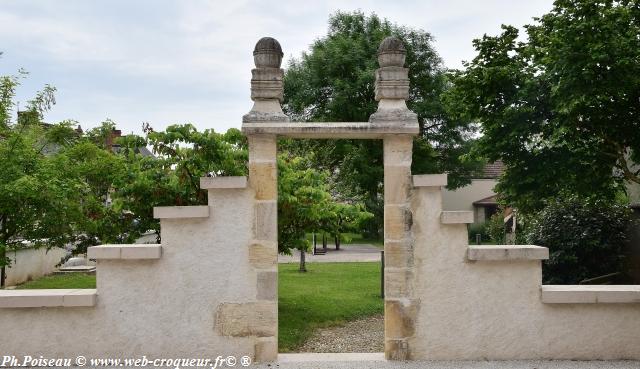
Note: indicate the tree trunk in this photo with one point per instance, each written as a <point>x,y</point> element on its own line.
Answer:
<point>337,238</point>
<point>303,265</point>
<point>324,242</point>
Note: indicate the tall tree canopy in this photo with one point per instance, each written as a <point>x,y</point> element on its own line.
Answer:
<point>335,81</point>
<point>561,108</point>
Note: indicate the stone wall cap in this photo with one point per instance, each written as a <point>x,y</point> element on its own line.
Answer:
<point>207,183</point>
<point>125,251</point>
<point>47,298</point>
<point>507,252</point>
<point>177,212</point>
<point>590,294</point>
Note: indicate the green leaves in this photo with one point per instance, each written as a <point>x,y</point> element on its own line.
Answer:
<point>561,108</point>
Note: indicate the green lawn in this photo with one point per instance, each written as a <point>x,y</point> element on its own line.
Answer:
<point>328,294</point>
<point>71,280</point>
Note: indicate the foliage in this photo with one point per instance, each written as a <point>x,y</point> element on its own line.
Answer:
<point>335,82</point>
<point>39,201</point>
<point>561,108</point>
<point>305,205</point>
<point>478,228</point>
<point>585,238</point>
<point>340,292</point>
<point>495,228</point>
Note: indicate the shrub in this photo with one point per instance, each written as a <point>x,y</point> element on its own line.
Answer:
<point>585,238</point>
<point>495,228</point>
<point>476,228</point>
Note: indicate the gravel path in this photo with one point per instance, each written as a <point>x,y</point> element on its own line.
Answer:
<point>347,253</point>
<point>363,335</point>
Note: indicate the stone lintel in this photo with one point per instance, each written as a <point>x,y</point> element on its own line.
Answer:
<point>170,212</point>
<point>47,298</point>
<point>507,252</point>
<point>129,252</point>
<point>590,294</point>
<point>430,180</point>
<point>332,130</point>
<point>207,183</point>
<point>456,217</point>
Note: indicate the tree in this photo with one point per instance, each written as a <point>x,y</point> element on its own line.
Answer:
<point>585,238</point>
<point>560,109</point>
<point>38,200</point>
<point>335,82</point>
<point>305,205</point>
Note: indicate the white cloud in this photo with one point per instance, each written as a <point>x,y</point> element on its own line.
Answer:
<point>179,61</point>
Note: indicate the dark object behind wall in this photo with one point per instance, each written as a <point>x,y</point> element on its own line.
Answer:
<point>633,247</point>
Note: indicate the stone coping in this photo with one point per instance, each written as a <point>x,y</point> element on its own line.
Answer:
<point>430,180</point>
<point>507,252</point>
<point>128,252</point>
<point>47,298</point>
<point>173,212</point>
<point>456,217</point>
<point>331,130</point>
<point>207,183</point>
<point>590,294</point>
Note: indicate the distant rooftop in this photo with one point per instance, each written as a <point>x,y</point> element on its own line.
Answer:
<point>493,170</point>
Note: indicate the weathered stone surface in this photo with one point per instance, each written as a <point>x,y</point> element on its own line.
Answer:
<point>396,349</point>
<point>397,222</point>
<point>456,217</point>
<point>397,184</point>
<point>262,147</point>
<point>266,220</point>
<point>122,251</point>
<point>263,177</point>
<point>398,282</point>
<point>263,254</point>
<point>430,180</point>
<point>258,319</point>
<point>267,53</point>
<point>400,316</point>
<point>223,182</point>
<point>398,254</point>
<point>507,252</point>
<point>267,288</point>
<point>336,130</point>
<point>398,150</point>
<point>266,349</point>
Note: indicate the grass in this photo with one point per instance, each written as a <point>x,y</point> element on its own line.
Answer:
<point>328,294</point>
<point>56,281</point>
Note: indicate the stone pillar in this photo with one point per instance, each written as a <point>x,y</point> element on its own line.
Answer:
<point>266,92</point>
<point>401,306</point>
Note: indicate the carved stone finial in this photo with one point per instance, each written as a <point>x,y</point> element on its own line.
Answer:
<point>391,52</point>
<point>392,84</point>
<point>267,53</point>
<point>266,83</point>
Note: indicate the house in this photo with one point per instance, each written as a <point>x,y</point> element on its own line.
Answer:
<point>479,196</point>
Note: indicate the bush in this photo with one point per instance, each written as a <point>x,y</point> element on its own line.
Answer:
<point>495,228</point>
<point>476,228</point>
<point>585,238</point>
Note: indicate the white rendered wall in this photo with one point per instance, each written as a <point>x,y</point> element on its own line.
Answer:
<point>28,264</point>
<point>163,308</point>
<point>463,198</point>
<point>493,310</point>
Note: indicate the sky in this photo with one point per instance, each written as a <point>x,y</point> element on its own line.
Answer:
<point>170,61</point>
